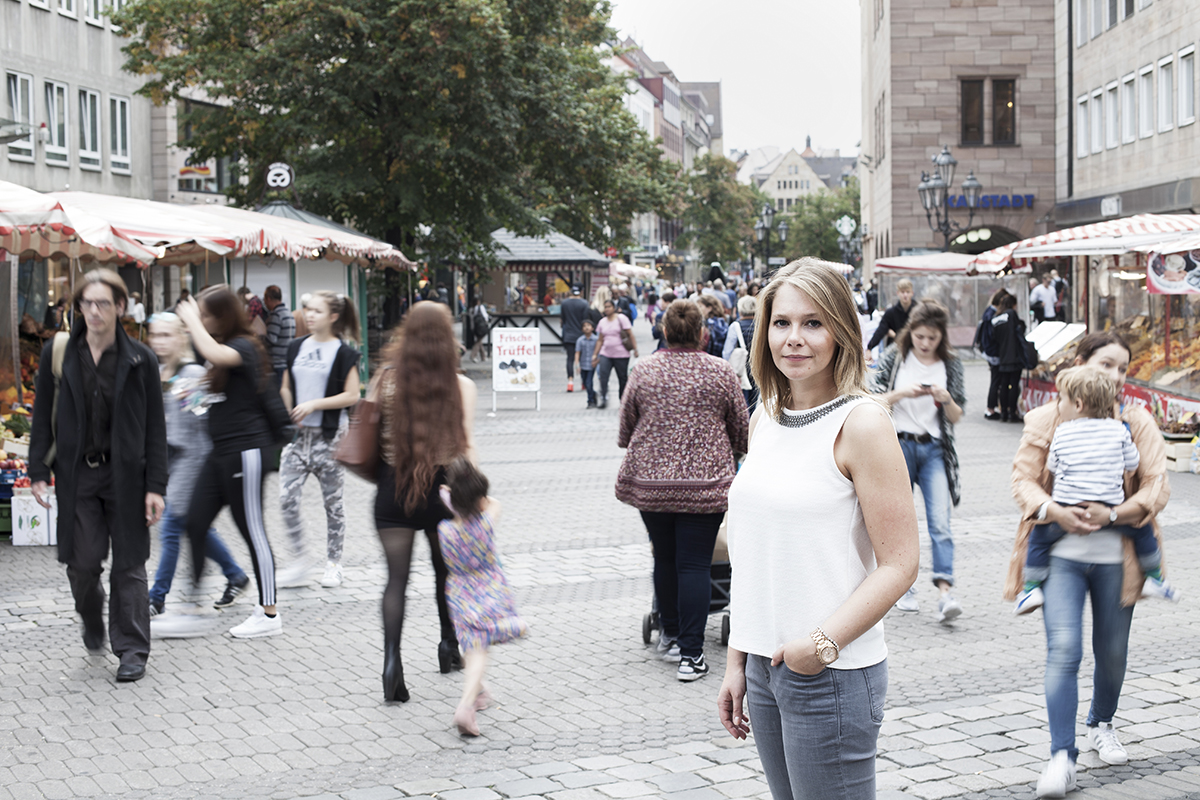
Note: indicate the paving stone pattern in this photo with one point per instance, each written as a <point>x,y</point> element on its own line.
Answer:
<point>584,711</point>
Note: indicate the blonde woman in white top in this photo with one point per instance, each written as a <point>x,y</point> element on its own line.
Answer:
<point>823,541</point>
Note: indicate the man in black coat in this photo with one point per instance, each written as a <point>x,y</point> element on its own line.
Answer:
<point>110,466</point>
<point>896,317</point>
<point>574,312</point>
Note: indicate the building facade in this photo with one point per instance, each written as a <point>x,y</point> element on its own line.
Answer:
<point>1128,142</point>
<point>977,76</point>
<point>87,129</point>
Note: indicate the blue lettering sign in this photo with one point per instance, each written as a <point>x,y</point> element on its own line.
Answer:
<point>1003,201</point>
<point>992,201</point>
<point>1018,201</point>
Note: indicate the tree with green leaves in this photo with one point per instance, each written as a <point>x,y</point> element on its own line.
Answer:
<point>720,212</point>
<point>810,223</point>
<point>428,123</point>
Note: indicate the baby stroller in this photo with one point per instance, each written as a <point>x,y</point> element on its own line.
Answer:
<point>718,581</point>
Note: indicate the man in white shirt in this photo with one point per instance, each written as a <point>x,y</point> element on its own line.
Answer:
<point>1045,295</point>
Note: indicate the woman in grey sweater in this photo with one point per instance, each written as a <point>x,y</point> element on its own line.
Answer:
<point>187,447</point>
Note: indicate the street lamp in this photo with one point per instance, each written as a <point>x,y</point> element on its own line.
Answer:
<point>850,244</point>
<point>934,193</point>
<point>762,229</point>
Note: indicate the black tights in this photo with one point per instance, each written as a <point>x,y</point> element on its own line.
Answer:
<point>398,548</point>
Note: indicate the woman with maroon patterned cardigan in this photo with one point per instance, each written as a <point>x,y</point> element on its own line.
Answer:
<point>683,422</point>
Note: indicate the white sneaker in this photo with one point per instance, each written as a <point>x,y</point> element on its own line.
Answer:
<point>1104,739</point>
<point>258,625</point>
<point>294,575</point>
<point>667,649</point>
<point>180,626</point>
<point>332,576</point>
<point>949,609</point>
<point>908,601</point>
<point>1159,588</point>
<point>1058,777</point>
<point>1029,601</point>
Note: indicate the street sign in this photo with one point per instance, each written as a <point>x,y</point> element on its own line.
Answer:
<point>280,175</point>
<point>776,261</point>
<point>845,225</point>
<point>516,362</point>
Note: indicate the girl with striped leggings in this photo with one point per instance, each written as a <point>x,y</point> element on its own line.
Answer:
<point>240,428</point>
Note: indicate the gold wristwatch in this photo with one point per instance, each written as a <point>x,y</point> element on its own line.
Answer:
<point>827,649</point>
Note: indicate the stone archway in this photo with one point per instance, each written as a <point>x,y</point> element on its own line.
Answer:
<point>982,238</point>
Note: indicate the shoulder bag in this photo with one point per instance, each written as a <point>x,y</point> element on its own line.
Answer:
<point>359,449</point>
<point>739,358</point>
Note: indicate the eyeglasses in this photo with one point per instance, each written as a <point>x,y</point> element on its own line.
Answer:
<point>98,305</point>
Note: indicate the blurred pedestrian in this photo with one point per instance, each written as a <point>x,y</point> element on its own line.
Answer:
<point>740,336</point>
<point>596,309</point>
<point>320,381</point>
<point>281,330</point>
<point>922,380</point>
<point>895,318</point>
<point>714,323</point>
<point>656,321</point>
<point>99,425</point>
<point>1043,299</point>
<point>256,312</point>
<point>984,344</point>
<point>1096,562</point>
<point>477,593</point>
<point>137,311</point>
<point>585,347</point>
<point>427,410</point>
<point>616,343</point>
<point>240,389</point>
<point>683,422</point>
<point>1008,346</point>
<point>806,644</point>
<point>480,326</point>
<point>188,446</point>
<point>574,312</point>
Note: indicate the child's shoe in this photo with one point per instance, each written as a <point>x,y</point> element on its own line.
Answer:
<point>1029,600</point>
<point>1156,587</point>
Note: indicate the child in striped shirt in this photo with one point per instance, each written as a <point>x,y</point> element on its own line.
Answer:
<point>1089,456</point>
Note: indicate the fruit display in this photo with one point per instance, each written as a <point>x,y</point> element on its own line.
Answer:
<point>16,426</point>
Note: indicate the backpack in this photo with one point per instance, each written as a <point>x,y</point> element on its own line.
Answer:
<point>478,323</point>
<point>628,308</point>
<point>57,355</point>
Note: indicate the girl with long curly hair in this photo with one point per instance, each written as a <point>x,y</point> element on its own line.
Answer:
<point>426,415</point>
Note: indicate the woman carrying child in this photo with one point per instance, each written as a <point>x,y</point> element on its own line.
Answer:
<point>1095,562</point>
<point>319,384</point>
<point>480,600</point>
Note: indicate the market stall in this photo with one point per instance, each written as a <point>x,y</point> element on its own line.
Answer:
<point>948,278</point>
<point>1138,277</point>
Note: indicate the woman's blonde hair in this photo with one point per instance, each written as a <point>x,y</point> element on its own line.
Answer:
<point>186,355</point>
<point>823,284</point>
<point>603,295</point>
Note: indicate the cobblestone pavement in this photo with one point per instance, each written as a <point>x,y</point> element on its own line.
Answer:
<point>584,712</point>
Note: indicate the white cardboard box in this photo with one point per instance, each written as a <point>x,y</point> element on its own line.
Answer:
<point>31,523</point>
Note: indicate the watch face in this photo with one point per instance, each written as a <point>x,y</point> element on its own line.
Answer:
<point>828,655</point>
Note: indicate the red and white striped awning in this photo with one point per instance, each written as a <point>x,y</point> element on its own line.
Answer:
<point>926,262</point>
<point>1169,225</point>
<point>34,223</point>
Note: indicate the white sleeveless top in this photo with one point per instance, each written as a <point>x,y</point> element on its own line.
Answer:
<point>797,541</point>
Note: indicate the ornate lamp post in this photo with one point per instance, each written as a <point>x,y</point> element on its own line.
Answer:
<point>935,197</point>
<point>762,229</point>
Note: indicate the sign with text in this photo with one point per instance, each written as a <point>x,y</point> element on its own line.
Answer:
<point>516,360</point>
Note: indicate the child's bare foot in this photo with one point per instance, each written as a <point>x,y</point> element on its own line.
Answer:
<point>464,720</point>
<point>482,700</point>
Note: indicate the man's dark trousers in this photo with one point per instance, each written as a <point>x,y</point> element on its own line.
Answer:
<point>129,600</point>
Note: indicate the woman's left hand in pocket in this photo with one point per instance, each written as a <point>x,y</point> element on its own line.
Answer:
<point>800,656</point>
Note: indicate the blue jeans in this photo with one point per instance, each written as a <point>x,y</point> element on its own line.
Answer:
<point>1043,537</point>
<point>816,734</point>
<point>171,529</point>
<point>586,376</point>
<point>927,470</point>
<point>1065,590</point>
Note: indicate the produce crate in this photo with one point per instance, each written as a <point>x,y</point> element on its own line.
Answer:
<point>15,448</point>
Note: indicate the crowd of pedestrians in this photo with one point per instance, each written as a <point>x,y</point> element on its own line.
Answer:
<point>760,405</point>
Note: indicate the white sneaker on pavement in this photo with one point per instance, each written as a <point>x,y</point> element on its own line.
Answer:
<point>258,625</point>
<point>667,648</point>
<point>1108,747</point>
<point>908,601</point>
<point>294,575</point>
<point>180,625</point>
<point>949,609</point>
<point>1058,777</point>
<point>332,576</point>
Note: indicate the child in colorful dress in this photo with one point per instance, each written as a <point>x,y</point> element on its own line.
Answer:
<point>480,600</point>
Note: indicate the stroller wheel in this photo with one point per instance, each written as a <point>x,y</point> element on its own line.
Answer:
<point>647,628</point>
<point>724,630</point>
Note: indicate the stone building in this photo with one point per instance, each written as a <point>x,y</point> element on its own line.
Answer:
<point>87,129</point>
<point>788,178</point>
<point>1127,133</point>
<point>976,76</point>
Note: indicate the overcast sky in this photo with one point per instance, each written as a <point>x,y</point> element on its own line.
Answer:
<point>788,68</point>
